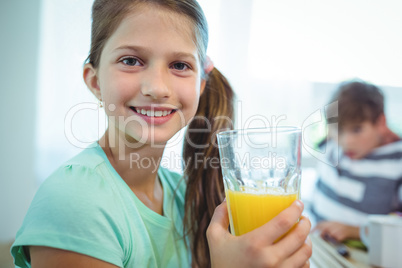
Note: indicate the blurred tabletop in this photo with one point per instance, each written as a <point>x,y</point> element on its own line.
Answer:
<point>326,255</point>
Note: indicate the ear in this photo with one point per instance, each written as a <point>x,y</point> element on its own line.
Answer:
<point>381,122</point>
<point>381,126</point>
<point>91,80</point>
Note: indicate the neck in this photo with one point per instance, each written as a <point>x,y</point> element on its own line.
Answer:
<point>136,163</point>
<point>389,136</point>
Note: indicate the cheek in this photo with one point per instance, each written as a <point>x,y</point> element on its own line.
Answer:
<point>116,87</point>
<point>190,93</point>
<point>362,140</point>
<point>374,141</point>
<point>192,100</point>
<point>365,142</point>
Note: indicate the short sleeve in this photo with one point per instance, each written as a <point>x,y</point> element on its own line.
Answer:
<point>75,210</point>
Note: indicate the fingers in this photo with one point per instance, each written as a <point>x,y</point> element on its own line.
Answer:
<point>331,233</point>
<point>338,235</point>
<point>335,230</point>
<point>301,257</point>
<point>279,225</point>
<point>257,248</point>
<point>220,217</point>
<point>307,264</point>
<point>295,239</point>
<point>325,228</point>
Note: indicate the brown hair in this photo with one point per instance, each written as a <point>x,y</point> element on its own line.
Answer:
<point>205,183</point>
<point>358,101</point>
<point>215,112</point>
<point>107,15</point>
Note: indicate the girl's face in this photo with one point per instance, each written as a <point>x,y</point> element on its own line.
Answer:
<point>149,75</point>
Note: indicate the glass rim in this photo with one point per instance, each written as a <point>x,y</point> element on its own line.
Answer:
<point>251,131</point>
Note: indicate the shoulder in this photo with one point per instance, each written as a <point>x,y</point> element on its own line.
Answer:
<point>78,187</point>
<point>391,151</point>
<point>83,169</point>
<point>75,209</point>
<point>384,162</point>
<point>90,157</point>
<point>78,177</point>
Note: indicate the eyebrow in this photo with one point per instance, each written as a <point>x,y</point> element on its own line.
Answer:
<point>146,50</point>
<point>133,48</point>
<point>184,55</point>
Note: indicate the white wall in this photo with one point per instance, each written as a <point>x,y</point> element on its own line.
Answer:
<point>19,35</point>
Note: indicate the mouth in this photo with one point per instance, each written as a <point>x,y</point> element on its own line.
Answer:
<point>154,112</point>
<point>350,154</point>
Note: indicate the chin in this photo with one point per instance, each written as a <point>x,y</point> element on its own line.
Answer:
<point>356,157</point>
<point>156,140</point>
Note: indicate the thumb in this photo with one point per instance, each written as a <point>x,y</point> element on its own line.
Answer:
<point>220,221</point>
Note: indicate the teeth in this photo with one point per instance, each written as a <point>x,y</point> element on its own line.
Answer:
<point>153,113</point>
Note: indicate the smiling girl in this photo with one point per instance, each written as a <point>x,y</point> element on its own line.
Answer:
<point>148,68</point>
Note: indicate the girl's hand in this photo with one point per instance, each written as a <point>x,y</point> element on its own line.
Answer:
<point>257,248</point>
<point>338,231</point>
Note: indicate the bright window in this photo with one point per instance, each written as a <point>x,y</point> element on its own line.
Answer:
<point>284,58</point>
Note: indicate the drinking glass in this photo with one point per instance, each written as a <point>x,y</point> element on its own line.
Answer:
<point>261,173</point>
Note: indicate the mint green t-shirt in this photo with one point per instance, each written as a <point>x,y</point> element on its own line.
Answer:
<point>86,207</point>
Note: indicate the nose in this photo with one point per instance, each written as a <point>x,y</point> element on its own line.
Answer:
<point>155,83</point>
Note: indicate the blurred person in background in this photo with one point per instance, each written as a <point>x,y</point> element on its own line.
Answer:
<point>365,176</point>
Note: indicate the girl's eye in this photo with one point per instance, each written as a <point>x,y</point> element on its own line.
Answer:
<point>180,66</point>
<point>130,61</point>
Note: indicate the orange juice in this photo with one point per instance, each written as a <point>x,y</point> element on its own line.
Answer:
<point>249,210</point>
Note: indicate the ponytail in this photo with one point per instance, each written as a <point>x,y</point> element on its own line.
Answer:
<point>203,172</point>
